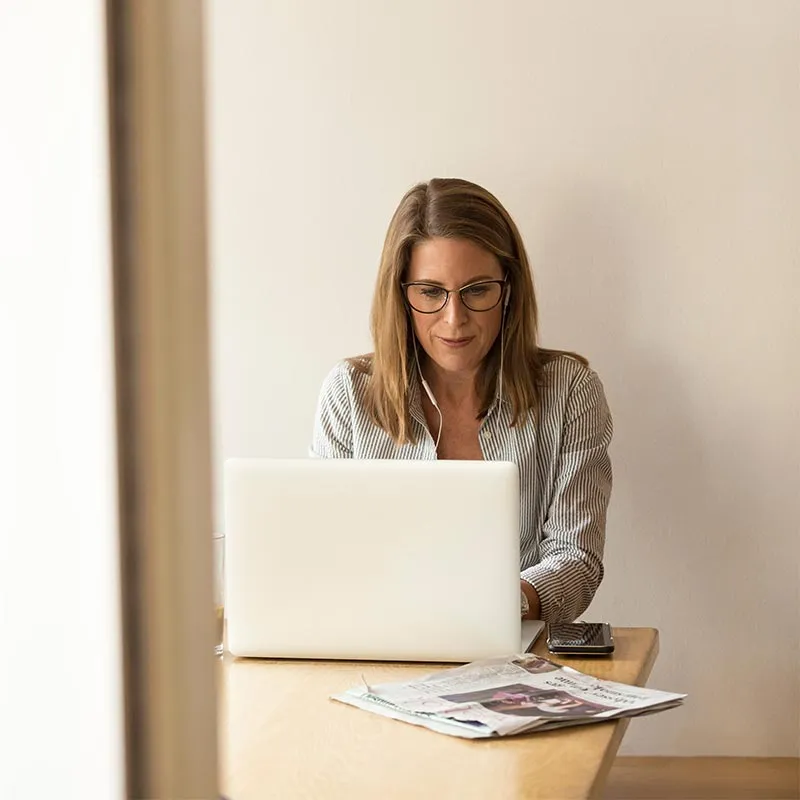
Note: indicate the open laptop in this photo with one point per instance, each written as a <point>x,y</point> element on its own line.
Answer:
<point>378,560</point>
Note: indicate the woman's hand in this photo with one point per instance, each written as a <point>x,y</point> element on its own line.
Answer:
<point>534,604</point>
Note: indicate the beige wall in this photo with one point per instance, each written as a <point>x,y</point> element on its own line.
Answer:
<point>649,153</point>
<point>61,705</point>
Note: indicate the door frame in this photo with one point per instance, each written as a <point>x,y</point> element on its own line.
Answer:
<point>160,274</point>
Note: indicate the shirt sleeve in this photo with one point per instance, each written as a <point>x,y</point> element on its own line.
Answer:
<point>570,566</point>
<point>333,426</point>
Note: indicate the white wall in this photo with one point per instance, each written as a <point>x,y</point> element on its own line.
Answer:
<point>649,153</point>
<point>60,658</point>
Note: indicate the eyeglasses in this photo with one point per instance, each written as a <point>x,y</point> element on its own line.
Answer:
<point>428,298</point>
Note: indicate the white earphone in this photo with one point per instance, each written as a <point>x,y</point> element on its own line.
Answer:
<point>502,342</point>
<point>428,390</point>
<point>429,393</point>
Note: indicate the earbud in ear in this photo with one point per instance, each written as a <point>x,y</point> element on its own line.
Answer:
<point>508,297</point>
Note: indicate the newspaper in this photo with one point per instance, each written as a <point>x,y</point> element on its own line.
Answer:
<point>507,696</point>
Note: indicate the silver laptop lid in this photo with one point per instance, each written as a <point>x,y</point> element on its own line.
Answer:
<point>359,559</point>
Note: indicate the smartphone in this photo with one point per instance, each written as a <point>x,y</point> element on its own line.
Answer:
<point>580,638</point>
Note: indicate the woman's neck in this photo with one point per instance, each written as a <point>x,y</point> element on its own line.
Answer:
<point>451,388</point>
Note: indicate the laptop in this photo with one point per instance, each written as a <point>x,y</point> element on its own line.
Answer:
<point>390,560</point>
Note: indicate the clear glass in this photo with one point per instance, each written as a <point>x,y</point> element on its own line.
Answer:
<point>428,298</point>
<point>218,543</point>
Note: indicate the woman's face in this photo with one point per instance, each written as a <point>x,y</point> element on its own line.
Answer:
<point>456,339</point>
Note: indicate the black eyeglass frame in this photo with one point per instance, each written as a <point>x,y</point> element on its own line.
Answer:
<point>502,281</point>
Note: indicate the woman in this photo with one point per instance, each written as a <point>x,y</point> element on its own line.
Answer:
<point>457,373</point>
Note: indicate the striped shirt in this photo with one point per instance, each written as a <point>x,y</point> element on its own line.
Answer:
<point>565,471</point>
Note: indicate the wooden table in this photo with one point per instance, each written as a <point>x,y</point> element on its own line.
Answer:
<point>281,737</point>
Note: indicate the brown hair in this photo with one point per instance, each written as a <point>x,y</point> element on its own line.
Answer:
<point>457,209</point>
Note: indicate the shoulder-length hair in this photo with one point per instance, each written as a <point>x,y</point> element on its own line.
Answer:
<point>457,209</point>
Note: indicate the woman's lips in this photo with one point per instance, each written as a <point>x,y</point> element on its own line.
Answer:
<point>456,343</point>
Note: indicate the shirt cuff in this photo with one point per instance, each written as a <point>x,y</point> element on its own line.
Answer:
<point>550,590</point>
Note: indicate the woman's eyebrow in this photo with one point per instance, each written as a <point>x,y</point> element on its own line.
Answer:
<point>476,279</point>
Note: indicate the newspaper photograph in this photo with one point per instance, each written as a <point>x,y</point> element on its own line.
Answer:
<point>507,696</point>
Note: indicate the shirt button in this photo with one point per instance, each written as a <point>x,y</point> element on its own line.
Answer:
<point>487,434</point>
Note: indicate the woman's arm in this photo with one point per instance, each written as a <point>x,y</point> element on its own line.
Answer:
<point>570,564</point>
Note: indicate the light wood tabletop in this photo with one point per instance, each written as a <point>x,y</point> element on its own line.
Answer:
<point>282,737</point>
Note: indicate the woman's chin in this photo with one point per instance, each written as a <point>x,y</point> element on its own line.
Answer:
<point>456,361</point>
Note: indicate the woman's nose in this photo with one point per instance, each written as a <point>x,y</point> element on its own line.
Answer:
<point>455,311</point>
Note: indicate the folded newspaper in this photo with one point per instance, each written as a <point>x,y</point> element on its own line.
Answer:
<point>506,696</point>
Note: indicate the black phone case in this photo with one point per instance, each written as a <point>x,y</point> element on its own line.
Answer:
<point>573,648</point>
